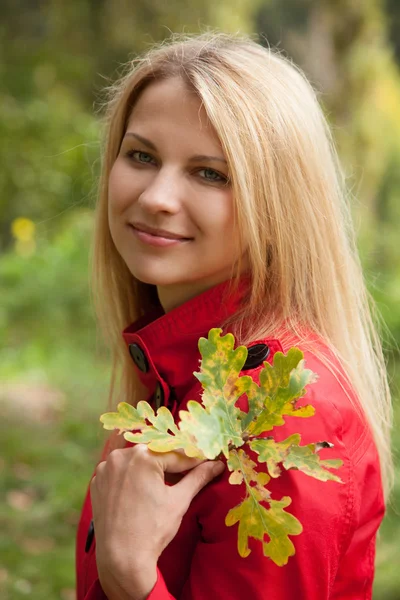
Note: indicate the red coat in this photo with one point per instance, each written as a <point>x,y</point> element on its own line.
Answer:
<point>335,553</point>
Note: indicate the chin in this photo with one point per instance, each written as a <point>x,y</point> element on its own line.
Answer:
<point>163,279</point>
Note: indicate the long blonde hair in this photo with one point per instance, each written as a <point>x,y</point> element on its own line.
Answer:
<point>291,206</point>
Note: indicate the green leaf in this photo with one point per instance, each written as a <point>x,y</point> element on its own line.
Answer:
<point>127,417</point>
<point>272,452</point>
<point>287,370</point>
<point>254,519</point>
<point>219,369</point>
<point>282,384</point>
<point>257,398</point>
<point>161,441</point>
<point>212,430</point>
<point>222,387</point>
<point>243,469</point>
<point>217,426</point>
<point>163,435</point>
<point>163,421</point>
<point>293,456</point>
<point>145,411</point>
<point>306,459</point>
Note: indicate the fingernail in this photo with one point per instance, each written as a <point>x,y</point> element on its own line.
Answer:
<point>218,467</point>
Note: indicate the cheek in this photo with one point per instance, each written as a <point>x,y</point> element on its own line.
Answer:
<point>117,190</point>
<point>123,188</point>
<point>220,217</point>
<point>225,228</point>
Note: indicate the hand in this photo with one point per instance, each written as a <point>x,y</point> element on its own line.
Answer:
<point>136,514</point>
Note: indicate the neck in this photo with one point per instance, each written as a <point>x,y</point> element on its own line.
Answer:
<point>174,295</point>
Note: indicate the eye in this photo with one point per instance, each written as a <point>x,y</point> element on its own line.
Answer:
<point>140,157</point>
<point>213,176</point>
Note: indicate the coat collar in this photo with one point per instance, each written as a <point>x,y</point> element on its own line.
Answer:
<point>164,346</point>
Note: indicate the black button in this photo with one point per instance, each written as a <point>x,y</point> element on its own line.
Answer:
<point>256,356</point>
<point>139,357</point>
<point>158,396</point>
<point>90,536</point>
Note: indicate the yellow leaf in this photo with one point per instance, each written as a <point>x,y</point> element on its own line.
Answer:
<point>256,521</point>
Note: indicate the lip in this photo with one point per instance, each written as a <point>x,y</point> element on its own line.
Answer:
<point>156,240</point>
<point>163,233</point>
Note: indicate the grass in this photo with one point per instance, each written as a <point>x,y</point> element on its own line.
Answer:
<point>48,458</point>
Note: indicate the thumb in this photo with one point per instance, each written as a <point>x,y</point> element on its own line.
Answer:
<point>197,478</point>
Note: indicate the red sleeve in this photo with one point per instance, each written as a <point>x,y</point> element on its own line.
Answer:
<point>159,592</point>
<point>96,592</point>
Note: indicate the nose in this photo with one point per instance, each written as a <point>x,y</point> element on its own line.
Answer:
<point>164,192</point>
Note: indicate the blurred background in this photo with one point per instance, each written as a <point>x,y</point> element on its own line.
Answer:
<point>56,57</point>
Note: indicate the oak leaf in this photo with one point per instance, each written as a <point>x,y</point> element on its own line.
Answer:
<point>216,427</point>
<point>256,521</point>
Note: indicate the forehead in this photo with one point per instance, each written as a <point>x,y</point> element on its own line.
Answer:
<point>171,104</point>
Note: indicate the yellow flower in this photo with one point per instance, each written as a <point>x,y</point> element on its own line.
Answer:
<point>23,229</point>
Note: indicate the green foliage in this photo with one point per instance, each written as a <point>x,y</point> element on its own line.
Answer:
<point>53,63</point>
<point>218,427</point>
<point>47,159</point>
<point>48,451</point>
<point>46,293</point>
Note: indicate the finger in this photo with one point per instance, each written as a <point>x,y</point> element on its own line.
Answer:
<point>100,467</point>
<point>197,460</point>
<point>198,478</point>
<point>170,462</point>
<point>93,489</point>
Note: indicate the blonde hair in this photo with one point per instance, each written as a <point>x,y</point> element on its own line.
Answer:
<point>291,206</point>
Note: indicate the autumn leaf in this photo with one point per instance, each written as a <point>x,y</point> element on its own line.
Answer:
<point>293,456</point>
<point>243,470</point>
<point>306,459</point>
<point>219,370</point>
<point>282,384</point>
<point>216,426</point>
<point>214,430</point>
<point>272,452</point>
<point>163,435</point>
<point>127,417</point>
<point>256,521</point>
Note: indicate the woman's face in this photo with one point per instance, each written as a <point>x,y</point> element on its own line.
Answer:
<point>171,174</point>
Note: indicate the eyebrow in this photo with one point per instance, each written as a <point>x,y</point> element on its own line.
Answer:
<point>197,158</point>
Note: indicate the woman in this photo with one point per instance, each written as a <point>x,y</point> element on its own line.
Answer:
<point>222,205</point>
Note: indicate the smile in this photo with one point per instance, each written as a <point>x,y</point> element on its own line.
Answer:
<point>155,240</point>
